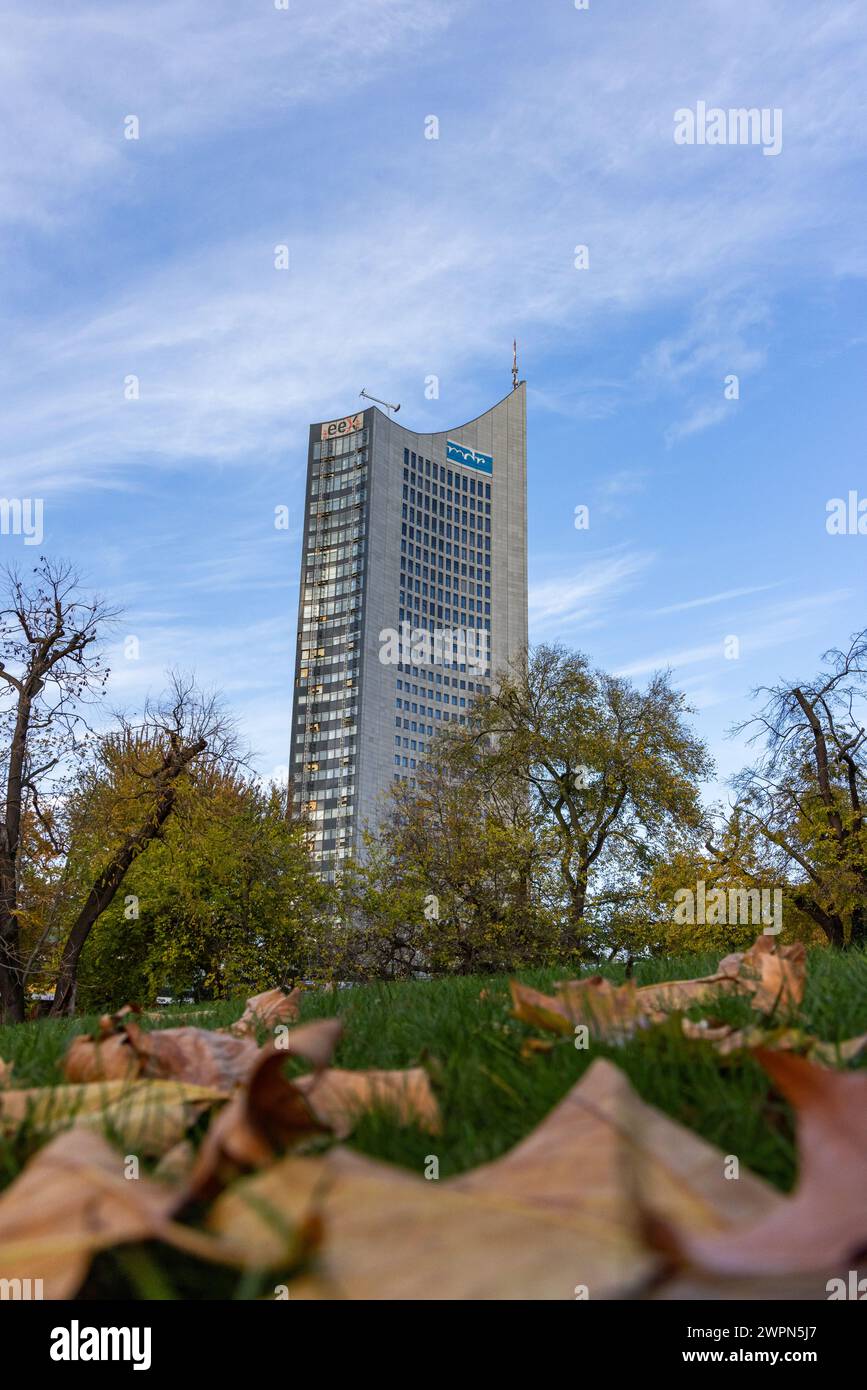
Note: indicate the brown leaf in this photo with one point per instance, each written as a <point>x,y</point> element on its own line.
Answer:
<point>266,1010</point>
<point>107,1054</point>
<point>176,1164</point>
<point>707,1030</point>
<point>196,1055</point>
<point>602,1146</point>
<point>5,1073</point>
<point>148,1117</point>
<point>777,974</point>
<point>339,1097</point>
<point>531,1046</point>
<point>121,1050</point>
<point>108,1058</point>
<point>272,1218</point>
<point>727,1039</point>
<point>559,1210</point>
<point>540,1010</point>
<point>71,1200</point>
<point>773,975</point>
<point>267,1114</point>
<point>832,1054</point>
<point>671,995</point>
<point>824,1222</point>
<point>612,1012</point>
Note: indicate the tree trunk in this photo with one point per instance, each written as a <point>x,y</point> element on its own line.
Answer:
<point>11,977</point>
<point>112,876</point>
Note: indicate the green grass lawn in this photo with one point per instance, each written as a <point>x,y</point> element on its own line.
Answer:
<point>490,1097</point>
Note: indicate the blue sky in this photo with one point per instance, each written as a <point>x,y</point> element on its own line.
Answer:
<point>411,257</point>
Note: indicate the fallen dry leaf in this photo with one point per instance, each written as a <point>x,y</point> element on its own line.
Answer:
<point>272,1219</point>
<point>774,976</point>
<point>601,1146</point>
<point>338,1097</point>
<point>71,1200</point>
<point>726,1039</point>
<point>267,1114</point>
<point>148,1117</point>
<point>176,1164</point>
<point>121,1049</point>
<point>266,1010</point>
<point>824,1222</point>
<point>5,1073</point>
<point>106,1055</point>
<point>613,1012</point>
<point>109,1058</point>
<point>832,1054</point>
<point>531,1046</point>
<point>387,1234</point>
<point>197,1055</point>
<point>559,1210</point>
<point>541,1010</point>
<point>669,996</point>
<point>218,1058</point>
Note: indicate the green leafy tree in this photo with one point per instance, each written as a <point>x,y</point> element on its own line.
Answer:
<point>450,884</point>
<point>609,772</point>
<point>226,903</point>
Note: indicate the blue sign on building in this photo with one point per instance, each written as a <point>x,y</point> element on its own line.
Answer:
<point>470,458</point>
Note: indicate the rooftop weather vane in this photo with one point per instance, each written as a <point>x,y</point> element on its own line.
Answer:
<point>514,364</point>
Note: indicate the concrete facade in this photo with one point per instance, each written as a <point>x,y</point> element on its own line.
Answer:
<point>415,535</point>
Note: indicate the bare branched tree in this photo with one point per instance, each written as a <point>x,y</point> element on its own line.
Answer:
<point>804,796</point>
<point>56,770</point>
<point>50,667</point>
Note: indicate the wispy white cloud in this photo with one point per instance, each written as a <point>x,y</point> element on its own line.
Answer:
<point>776,626</point>
<point>702,417</point>
<point>402,265</point>
<point>188,71</point>
<point>234,357</point>
<point>707,599</point>
<point>572,601</point>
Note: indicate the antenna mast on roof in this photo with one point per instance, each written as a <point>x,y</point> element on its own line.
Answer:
<point>514,364</point>
<point>394,408</point>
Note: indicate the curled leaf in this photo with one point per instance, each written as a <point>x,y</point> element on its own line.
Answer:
<point>267,1115</point>
<point>266,1010</point>
<point>338,1097</point>
<point>824,1222</point>
<point>71,1200</point>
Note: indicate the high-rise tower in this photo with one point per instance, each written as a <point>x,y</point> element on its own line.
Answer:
<point>413,595</point>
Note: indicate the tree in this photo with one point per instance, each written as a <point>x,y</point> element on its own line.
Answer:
<point>175,746</point>
<point>225,902</point>
<point>51,672</point>
<point>450,884</point>
<point>50,665</point>
<point>804,796</point>
<point>608,771</point>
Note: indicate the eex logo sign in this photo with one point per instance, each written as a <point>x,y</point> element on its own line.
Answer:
<point>76,1343</point>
